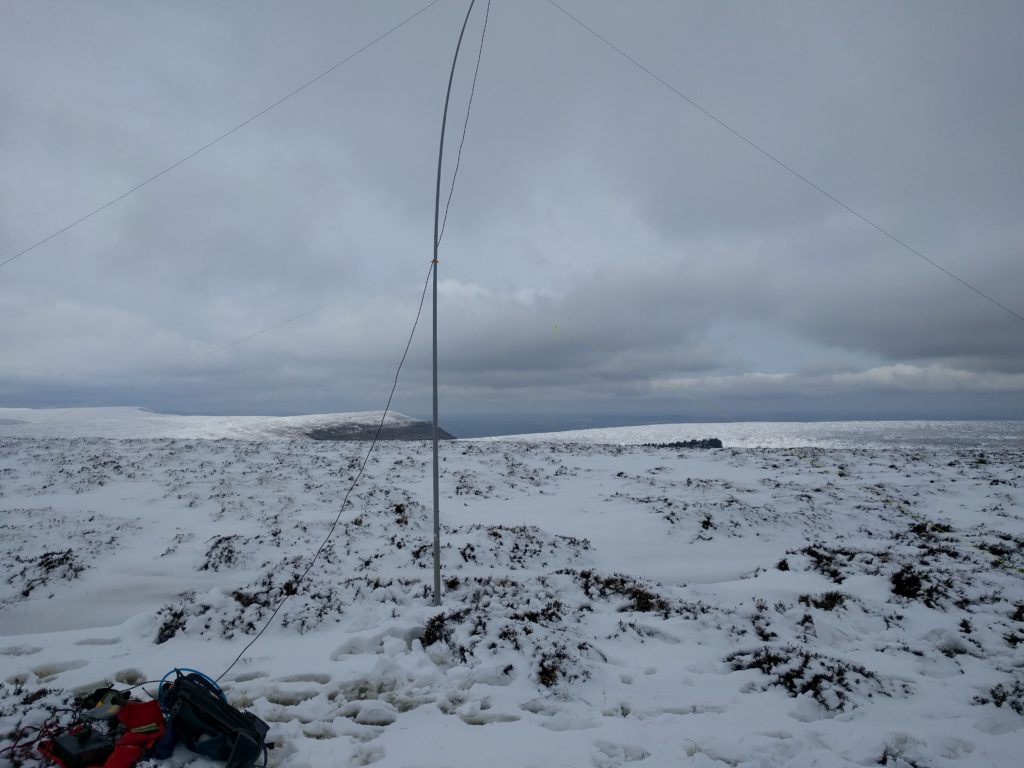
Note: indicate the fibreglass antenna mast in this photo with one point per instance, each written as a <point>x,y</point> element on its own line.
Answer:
<point>437,242</point>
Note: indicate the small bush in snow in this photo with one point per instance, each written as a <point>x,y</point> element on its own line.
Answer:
<point>827,601</point>
<point>831,682</point>
<point>38,571</point>
<point>1011,694</point>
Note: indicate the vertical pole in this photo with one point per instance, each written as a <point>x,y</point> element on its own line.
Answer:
<point>437,211</point>
<point>437,511</point>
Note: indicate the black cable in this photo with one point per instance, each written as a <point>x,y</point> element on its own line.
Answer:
<point>139,685</point>
<point>351,487</point>
<point>220,138</point>
<point>782,164</point>
<point>469,107</point>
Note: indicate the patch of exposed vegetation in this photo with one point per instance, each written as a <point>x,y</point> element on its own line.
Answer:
<point>833,562</point>
<point>172,621</point>
<point>914,584</point>
<point>639,597</point>
<point>830,682</point>
<point>222,552</point>
<point>926,529</point>
<point>554,664</point>
<point>57,565</point>
<point>826,601</point>
<point>1010,694</point>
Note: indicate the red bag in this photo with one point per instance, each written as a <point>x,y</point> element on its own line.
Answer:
<point>143,727</point>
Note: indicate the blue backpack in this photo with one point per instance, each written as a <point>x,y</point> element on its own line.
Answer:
<point>201,718</point>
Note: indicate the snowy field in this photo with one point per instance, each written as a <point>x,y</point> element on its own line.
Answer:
<point>605,605</point>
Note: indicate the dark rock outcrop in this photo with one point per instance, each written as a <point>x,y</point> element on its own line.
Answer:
<point>418,430</point>
<point>709,442</point>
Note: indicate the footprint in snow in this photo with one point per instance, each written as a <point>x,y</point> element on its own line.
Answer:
<point>20,650</point>
<point>319,731</point>
<point>366,754</point>
<point>369,712</point>
<point>610,755</point>
<point>130,676</point>
<point>245,677</point>
<point>374,642</point>
<point>486,718</point>
<point>48,672</point>
<point>289,698</point>
<point>311,677</point>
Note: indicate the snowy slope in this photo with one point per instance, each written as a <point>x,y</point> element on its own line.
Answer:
<point>605,605</point>
<point>876,435</point>
<point>137,423</point>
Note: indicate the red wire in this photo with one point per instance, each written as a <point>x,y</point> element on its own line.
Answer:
<point>48,730</point>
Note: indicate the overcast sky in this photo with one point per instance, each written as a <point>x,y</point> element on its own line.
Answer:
<point>612,254</point>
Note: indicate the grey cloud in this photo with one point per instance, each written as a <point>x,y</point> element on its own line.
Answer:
<point>588,197</point>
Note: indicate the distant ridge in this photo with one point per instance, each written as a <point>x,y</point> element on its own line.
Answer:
<point>416,430</point>
<point>710,442</point>
<point>126,423</point>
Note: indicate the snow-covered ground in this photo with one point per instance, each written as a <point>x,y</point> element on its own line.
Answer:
<point>605,605</point>
<point>878,435</point>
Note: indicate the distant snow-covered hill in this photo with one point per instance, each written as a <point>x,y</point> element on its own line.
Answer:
<point>140,423</point>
